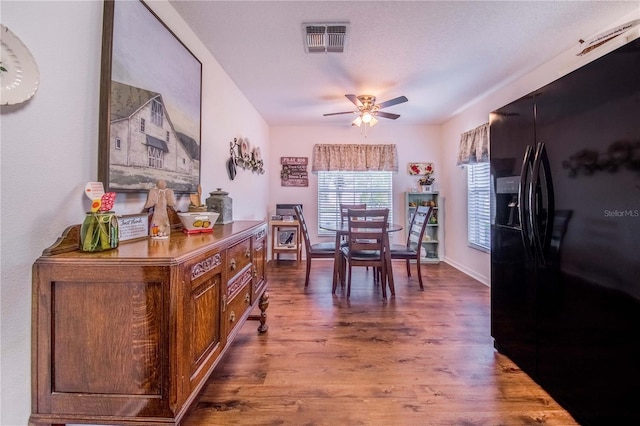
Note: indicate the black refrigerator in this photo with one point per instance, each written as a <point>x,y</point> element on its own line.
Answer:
<point>565,250</point>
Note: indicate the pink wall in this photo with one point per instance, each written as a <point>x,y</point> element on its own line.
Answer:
<point>414,144</point>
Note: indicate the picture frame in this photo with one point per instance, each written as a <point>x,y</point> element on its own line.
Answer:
<point>420,169</point>
<point>133,226</point>
<point>287,238</point>
<point>150,103</point>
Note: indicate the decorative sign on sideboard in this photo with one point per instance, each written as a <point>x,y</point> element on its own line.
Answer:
<point>133,226</point>
<point>294,171</point>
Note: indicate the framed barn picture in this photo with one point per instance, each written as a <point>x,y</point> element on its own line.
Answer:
<point>150,103</point>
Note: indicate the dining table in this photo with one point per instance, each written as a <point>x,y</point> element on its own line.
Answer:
<point>341,228</point>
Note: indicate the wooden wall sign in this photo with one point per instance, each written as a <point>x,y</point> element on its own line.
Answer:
<point>294,171</point>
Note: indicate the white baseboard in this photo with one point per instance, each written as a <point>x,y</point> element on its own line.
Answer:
<point>483,279</point>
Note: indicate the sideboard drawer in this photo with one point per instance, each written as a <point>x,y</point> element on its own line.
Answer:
<point>238,299</point>
<point>204,268</point>
<point>238,256</point>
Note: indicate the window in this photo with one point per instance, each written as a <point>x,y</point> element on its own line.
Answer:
<point>118,143</point>
<point>157,113</point>
<point>339,187</point>
<point>478,206</point>
<point>142,124</point>
<point>156,157</point>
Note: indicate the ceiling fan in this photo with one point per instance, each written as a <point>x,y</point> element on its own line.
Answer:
<point>368,110</point>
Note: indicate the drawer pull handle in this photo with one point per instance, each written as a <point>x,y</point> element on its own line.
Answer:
<point>233,264</point>
<point>232,317</point>
<point>247,253</point>
<point>247,298</point>
<point>255,272</point>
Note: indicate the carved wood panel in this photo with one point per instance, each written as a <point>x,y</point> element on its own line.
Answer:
<point>259,263</point>
<point>205,320</point>
<point>122,342</point>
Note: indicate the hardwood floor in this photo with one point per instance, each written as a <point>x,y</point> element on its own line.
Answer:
<point>421,358</point>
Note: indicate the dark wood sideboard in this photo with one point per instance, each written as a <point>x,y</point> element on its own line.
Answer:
<point>129,336</point>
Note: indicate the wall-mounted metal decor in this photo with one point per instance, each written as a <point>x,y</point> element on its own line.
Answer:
<point>243,156</point>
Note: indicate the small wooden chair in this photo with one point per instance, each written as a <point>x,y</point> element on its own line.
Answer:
<point>313,251</point>
<point>366,243</point>
<point>415,234</point>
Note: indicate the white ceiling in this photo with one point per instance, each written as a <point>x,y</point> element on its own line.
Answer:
<point>440,54</point>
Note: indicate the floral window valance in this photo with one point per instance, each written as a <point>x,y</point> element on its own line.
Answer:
<point>474,146</point>
<point>354,158</point>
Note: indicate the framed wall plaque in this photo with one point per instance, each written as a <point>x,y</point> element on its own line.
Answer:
<point>294,171</point>
<point>287,238</point>
<point>133,226</point>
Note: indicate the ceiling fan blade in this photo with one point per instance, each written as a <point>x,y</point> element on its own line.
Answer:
<point>394,101</point>
<point>387,115</point>
<point>354,99</point>
<point>338,113</point>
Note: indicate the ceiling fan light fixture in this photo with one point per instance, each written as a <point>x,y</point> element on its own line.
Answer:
<point>367,110</point>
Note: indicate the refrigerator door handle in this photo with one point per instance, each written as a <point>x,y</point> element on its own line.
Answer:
<point>524,213</point>
<point>541,234</point>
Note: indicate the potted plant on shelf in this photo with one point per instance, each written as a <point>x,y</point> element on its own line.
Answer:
<point>426,181</point>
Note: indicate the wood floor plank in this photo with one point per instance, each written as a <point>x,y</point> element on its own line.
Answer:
<point>419,358</point>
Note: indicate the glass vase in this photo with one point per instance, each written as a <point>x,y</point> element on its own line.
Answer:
<point>99,232</point>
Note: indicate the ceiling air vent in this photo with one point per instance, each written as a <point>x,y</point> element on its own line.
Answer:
<point>323,38</point>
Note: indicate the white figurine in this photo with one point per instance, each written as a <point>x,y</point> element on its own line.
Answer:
<point>160,198</point>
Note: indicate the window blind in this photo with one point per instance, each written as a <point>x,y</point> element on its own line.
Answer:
<point>342,187</point>
<point>479,206</point>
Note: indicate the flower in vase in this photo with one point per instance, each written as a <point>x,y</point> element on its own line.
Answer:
<point>426,180</point>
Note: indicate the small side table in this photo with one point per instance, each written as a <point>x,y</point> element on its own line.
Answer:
<point>286,238</point>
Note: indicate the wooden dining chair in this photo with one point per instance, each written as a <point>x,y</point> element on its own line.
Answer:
<point>365,246</point>
<point>344,210</point>
<point>415,234</point>
<point>344,215</point>
<point>313,251</point>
